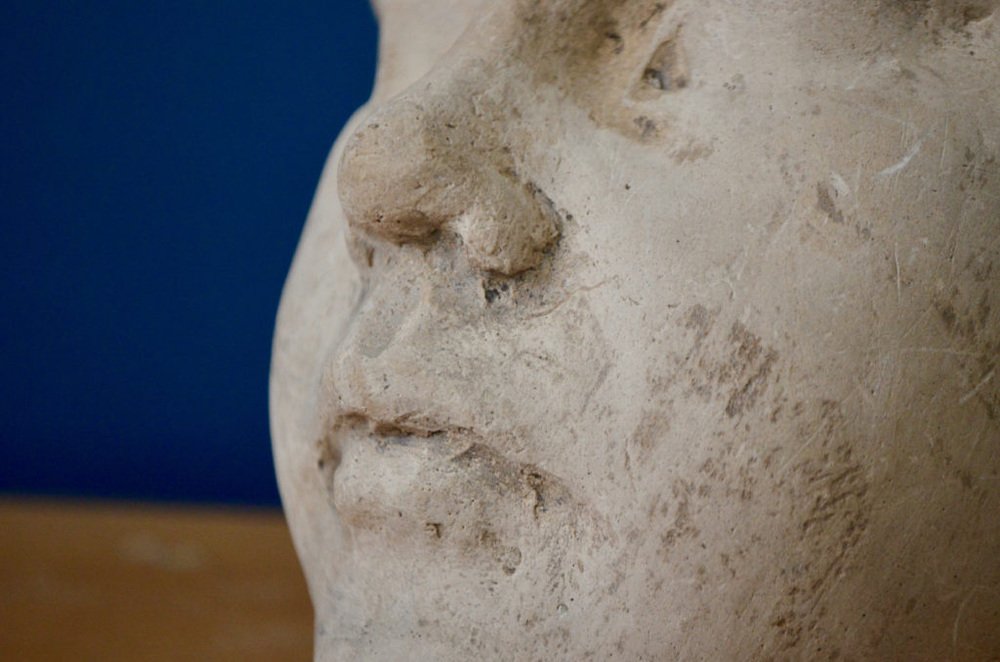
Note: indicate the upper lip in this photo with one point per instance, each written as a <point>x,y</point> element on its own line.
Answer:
<point>355,399</point>
<point>402,426</point>
<point>407,423</point>
<point>358,425</point>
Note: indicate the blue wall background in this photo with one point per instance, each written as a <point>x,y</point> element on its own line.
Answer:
<point>158,162</point>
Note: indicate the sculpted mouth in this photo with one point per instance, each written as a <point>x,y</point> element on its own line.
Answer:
<point>403,476</point>
<point>400,431</point>
<point>411,427</point>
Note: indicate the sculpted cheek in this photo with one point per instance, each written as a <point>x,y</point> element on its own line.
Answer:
<point>628,329</point>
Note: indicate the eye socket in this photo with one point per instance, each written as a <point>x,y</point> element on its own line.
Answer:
<point>666,70</point>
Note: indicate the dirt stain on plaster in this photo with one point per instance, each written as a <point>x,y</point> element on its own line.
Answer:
<point>942,15</point>
<point>830,506</point>
<point>820,485</point>
<point>599,53</point>
<point>967,319</point>
<point>653,427</point>
<point>735,370</point>
<point>700,320</point>
<point>537,489</point>
<point>693,151</point>
<point>682,522</point>
<point>970,324</point>
<point>748,368</point>
<point>825,202</point>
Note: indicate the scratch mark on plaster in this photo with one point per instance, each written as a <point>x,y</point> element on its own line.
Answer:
<point>952,246</point>
<point>601,377</point>
<point>732,290</point>
<point>840,184</point>
<point>985,380</point>
<point>983,431</point>
<point>584,288</point>
<point>944,145</point>
<point>874,112</point>
<point>899,281</point>
<point>917,323</point>
<point>939,350</point>
<point>905,161</point>
<point>958,618</point>
<point>773,238</point>
<point>800,450</point>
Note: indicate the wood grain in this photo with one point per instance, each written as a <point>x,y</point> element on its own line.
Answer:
<point>116,582</point>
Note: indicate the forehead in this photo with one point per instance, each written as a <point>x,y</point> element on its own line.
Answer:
<point>393,5</point>
<point>429,9</point>
<point>438,15</point>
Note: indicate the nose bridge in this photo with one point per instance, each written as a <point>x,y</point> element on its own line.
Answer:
<point>441,157</point>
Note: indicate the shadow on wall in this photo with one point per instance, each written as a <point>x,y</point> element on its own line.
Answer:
<point>159,161</point>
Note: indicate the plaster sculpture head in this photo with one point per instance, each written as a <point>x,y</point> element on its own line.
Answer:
<point>640,329</point>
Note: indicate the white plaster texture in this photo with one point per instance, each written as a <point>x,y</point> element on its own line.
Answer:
<point>652,330</point>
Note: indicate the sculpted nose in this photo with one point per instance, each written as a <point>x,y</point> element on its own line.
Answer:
<point>442,159</point>
<point>393,181</point>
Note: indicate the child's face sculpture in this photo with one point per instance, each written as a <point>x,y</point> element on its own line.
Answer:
<point>653,330</point>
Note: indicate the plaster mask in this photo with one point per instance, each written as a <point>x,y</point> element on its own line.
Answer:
<point>650,330</point>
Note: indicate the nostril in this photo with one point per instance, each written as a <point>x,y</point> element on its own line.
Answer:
<point>514,234</point>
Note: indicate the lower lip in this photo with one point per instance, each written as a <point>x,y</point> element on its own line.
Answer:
<point>448,486</point>
<point>382,479</point>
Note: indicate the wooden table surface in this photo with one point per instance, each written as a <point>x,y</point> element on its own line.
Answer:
<point>109,582</point>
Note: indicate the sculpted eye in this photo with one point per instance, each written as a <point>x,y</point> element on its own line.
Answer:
<point>667,69</point>
<point>665,73</point>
